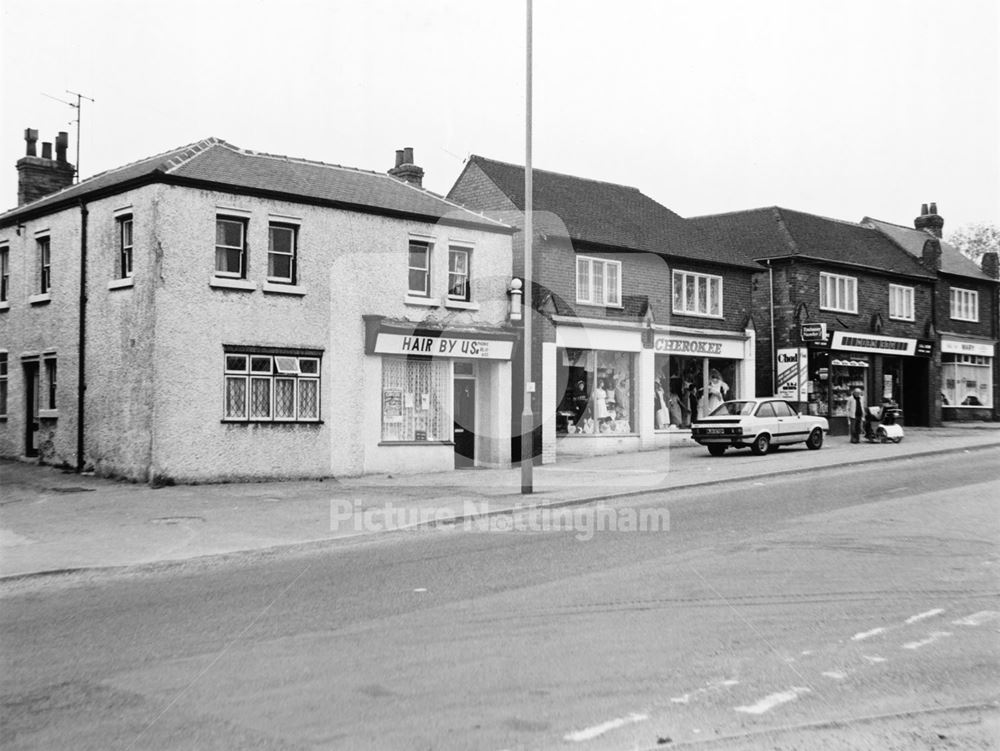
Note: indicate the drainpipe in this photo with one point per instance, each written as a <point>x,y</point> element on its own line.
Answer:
<point>774,363</point>
<point>82,344</point>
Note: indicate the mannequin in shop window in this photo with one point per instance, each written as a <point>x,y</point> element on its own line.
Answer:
<point>716,393</point>
<point>600,403</point>
<point>690,394</point>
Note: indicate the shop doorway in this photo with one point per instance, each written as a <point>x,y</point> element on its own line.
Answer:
<point>31,398</point>
<point>464,416</point>
<point>915,392</point>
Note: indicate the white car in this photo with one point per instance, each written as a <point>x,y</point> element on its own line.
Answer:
<point>761,424</point>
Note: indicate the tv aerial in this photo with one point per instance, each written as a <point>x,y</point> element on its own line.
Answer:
<point>78,106</point>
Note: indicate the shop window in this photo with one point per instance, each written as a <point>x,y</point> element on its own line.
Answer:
<point>124,247</point>
<point>415,397</point>
<point>598,281</point>
<point>966,380</point>
<point>458,273</point>
<point>4,273</point>
<point>230,247</point>
<point>685,388</point>
<point>420,268</point>
<point>282,248</point>
<point>44,246</point>
<point>3,384</point>
<point>266,387</point>
<point>900,302</point>
<point>964,304</point>
<point>839,293</point>
<point>697,294</point>
<point>597,392</point>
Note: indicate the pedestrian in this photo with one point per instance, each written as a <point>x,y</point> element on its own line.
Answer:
<point>855,415</point>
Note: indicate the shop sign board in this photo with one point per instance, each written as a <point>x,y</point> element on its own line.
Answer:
<point>883,345</point>
<point>792,369</point>
<point>813,332</point>
<point>730,349</point>
<point>443,346</point>
<point>959,347</point>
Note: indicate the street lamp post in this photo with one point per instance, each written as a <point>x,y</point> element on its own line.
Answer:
<point>527,417</point>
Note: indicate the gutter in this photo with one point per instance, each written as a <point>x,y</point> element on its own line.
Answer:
<point>774,359</point>
<point>81,386</point>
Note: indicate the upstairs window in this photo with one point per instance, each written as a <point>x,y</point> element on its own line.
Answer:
<point>3,384</point>
<point>282,248</point>
<point>598,281</point>
<point>44,264</point>
<point>125,247</point>
<point>4,273</point>
<point>964,304</point>
<point>697,294</point>
<point>900,302</point>
<point>420,268</point>
<point>271,387</point>
<point>839,293</point>
<point>230,247</point>
<point>458,274</point>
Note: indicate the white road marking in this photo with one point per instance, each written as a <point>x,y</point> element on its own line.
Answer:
<point>710,686</point>
<point>773,700</point>
<point>593,732</point>
<point>922,616</point>
<point>867,634</point>
<point>681,699</point>
<point>807,651</point>
<point>420,589</point>
<point>835,674</point>
<point>977,619</point>
<point>874,659</point>
<point>932,637</point>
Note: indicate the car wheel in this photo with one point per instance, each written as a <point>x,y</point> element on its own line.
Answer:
<point>897,440</point>
<point>815,439</point>
<point>716,449</point>
<point>761,444</point>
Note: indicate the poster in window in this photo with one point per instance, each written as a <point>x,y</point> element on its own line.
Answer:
<point>408,400</point>
<point>392,405</point>
<point>425,401</point>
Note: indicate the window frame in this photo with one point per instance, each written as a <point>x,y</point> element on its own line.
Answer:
<point>243,223</point>
<point>51,379</point>
<point>900,293</point>
<point>595,279</point>
<point>465,278</point>
<point>246,365</point>
<point>829,282</point>
<point>964,304</point>
<point>125,250</point>
<point>4,273</point>
<point>4,382</point>
<point>682,306</point>
<point>428,249</point>
<point>43,245</point>
<point>293,256</point>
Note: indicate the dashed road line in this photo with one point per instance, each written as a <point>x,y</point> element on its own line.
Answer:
<point>868,634</point>
<point>922,616</point>
<point>874,659</point>
<point>773,700</point>
<point>977,619</point>
<point>931,638</point>
<point>837,675</point>
<point>597,730</point>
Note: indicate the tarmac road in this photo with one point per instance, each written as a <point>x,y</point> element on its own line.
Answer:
<point>856,607</point>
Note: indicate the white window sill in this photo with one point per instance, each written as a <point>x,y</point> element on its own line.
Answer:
<point>427,302</point>
<point>41,299</point>
<point>48,414</point>
<point>689,314</point>
<point>461,305</point>
<point>603,306</point>
<point>900,318</point>
<point>221,282</point>
<point>5,305</point>
<point>126,283</point>
<point>965,320</point>
<point>284,289</point>
<point>842,312</point>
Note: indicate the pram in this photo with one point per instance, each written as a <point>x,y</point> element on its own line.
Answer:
<point>884,423</point>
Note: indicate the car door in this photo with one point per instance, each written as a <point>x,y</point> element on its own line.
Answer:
<point>789,427</point>
<point>766,421</point>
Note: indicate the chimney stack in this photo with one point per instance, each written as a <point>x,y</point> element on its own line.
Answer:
<point>405,169</point>
<point>991,264</point>
<point>931,255</point>
<point>39,176</point>
<point>929,220</point>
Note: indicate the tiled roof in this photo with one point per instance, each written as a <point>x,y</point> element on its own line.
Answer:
<point>219,163</point>
<point>912,241</point>
<point>775,232</point>
<point>608,214</point>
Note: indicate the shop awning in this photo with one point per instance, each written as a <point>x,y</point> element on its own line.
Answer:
<point>385,336</point>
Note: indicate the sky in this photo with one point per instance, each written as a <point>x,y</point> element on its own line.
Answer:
<point>845,109</point>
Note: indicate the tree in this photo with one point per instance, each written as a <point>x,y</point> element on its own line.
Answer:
<point>976,239</point>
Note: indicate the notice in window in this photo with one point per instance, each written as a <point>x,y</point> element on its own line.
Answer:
<point>392,405</point>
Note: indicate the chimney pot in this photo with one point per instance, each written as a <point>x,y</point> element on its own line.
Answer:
<point>31,138</point>
<point>408,155</point>
<point>62,143</point>
<point>405,169</point>
<point>46,150</point>
<point>923,209</point>
<point>399,157</point>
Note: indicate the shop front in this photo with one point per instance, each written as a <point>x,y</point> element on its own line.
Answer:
<point>443,396</point>
<point>967,377</point>
<point>884,368</point>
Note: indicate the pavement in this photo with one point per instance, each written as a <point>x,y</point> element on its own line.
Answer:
<point>54,521</point>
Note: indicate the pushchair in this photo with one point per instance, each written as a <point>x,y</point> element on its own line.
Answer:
<point>884,423</point>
